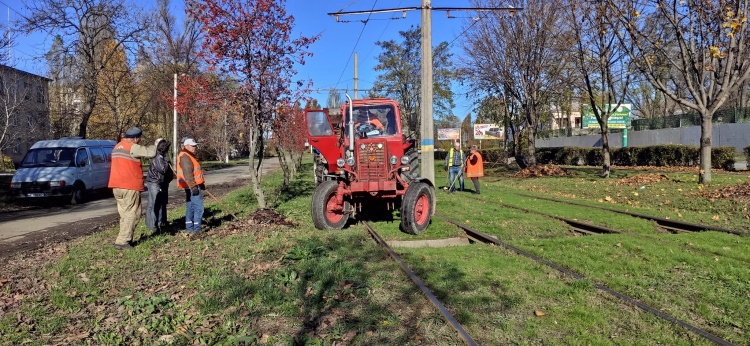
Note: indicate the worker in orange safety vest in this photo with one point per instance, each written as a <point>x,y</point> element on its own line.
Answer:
<point>190,178</point>
<point>126,182</point>
<point>475,168</point>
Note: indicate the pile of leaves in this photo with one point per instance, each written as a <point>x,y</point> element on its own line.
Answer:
<point>261,217</point>
<point>737,191</point>
<point>541,171</point>
<point>642,179</point>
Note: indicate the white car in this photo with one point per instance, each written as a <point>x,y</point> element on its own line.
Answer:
<point>69,167</point>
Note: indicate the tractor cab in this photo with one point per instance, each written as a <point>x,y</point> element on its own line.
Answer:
<point>368,160</point>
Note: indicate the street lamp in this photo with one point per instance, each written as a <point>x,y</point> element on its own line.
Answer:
<point>175,146</point>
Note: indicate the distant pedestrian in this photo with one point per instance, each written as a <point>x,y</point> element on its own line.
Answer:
<point>157,181</point>
<point>190,178</point>
<point>126,181</point>
<point>454,163</point>
<point>475,168</point>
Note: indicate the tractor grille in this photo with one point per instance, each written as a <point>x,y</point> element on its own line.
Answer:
<point>372,162</point>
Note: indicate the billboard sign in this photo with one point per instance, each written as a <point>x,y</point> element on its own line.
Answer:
<point>488,131</point>
<point>449,134</point>
<point>620,119</point>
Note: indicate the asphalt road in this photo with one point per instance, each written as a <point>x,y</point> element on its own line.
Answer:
<point>16,225</point>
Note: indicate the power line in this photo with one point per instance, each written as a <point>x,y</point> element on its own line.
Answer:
<point>355,44</point>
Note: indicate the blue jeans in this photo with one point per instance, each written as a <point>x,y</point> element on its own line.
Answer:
<point>452,172</point>
<point>193,211</point>
<point>156,208</point>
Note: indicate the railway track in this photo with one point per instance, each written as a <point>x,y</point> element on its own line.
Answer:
<point>447,315</point>
<point>486,238</point>
<point>674,226</point>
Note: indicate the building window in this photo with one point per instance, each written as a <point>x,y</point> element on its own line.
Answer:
<point>2,86</point>
<point>31,121</point>
<point>17,148</point>
<point>39,95</point>
<point>26,91</point>
<point>14,119</point>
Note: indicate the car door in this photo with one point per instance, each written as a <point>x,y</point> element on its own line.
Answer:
<point>99,170</point>
<point>83,168</point>
<point>321,136</point>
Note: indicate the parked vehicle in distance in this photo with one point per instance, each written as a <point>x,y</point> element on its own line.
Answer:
<point>494,132</point>
<point>69,167</point>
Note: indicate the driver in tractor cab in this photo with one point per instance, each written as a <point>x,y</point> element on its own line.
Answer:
<point>372,119</point>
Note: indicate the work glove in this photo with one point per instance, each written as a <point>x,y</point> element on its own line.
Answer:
<point>195,190</point>
<point>202,186</point>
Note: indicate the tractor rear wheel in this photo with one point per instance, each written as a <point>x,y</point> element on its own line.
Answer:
<point>416,209</point>
<point>413,172</point>
<point>327,213</point>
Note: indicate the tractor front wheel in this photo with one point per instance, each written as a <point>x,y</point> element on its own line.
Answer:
<point>416,209</point>
<point>327,213</point>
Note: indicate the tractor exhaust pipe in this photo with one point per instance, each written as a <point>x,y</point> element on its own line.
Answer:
<point>351,123</point>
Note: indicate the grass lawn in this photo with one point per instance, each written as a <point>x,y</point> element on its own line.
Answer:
<point>244,282</point>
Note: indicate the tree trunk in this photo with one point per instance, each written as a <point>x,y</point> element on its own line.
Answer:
<point>255,177</point>
<point>283,162</point>
<point>605,153</point>
<point>705,154</point>
<point>530,117</point>
<point>2,161</point>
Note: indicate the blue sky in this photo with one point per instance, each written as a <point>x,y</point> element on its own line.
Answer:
<point>332,64</point>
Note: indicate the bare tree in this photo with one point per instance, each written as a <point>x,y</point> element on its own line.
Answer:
<point>712,58</point>
<point>87,27</point>
<point>603,64</point>
<point>517,56</point>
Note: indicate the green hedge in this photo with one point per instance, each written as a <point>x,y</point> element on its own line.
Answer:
<point>655,155</point>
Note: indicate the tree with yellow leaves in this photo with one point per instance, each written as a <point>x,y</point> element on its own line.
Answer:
<point>706,44</point>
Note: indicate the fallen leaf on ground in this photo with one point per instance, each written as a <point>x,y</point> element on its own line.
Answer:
<point>539,313</point>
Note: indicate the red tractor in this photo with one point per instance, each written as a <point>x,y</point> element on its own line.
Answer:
<point>368,162</point>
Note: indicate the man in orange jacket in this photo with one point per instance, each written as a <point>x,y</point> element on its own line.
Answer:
<point>475,168</point>
<point>190,178</point>
<point>126,182</point>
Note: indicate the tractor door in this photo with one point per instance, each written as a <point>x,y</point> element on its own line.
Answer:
<point>320,135</point>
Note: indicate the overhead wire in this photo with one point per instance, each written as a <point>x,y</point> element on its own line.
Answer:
<point>355,44</point>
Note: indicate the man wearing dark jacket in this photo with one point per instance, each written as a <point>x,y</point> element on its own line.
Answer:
<point>157,181</point>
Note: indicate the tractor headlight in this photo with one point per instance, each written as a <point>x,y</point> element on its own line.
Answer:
<point>380,145</point>
<point>350,162</point>
<point>362,146</point>
<point>340,162</point>
<point>404,160</point>
<point>394,160</point>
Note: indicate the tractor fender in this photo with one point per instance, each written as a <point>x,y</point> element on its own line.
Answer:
<point>432,189</point>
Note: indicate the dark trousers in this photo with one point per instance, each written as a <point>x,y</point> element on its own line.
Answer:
<point>156,208</point>
<point>475,180</point>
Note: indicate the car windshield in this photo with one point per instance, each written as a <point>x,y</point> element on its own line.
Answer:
<point>373,120</point>
<point>49,157</point>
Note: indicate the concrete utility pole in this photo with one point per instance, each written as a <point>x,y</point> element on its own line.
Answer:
<point>427,155</point>
<point>175,145</point>
<point>356,80</point>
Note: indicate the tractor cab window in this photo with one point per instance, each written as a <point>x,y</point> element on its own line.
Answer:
<point>318,124</point>
<point>372,121</point>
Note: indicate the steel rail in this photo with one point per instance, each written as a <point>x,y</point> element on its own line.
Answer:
<point>490,239</point>
<point>447,315</point>
<point>577,225</point>
<point>667,223</point>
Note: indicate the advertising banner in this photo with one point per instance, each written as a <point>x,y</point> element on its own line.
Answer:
<point>620,119</point>
<point>448,134</point>
<point>488,131</point>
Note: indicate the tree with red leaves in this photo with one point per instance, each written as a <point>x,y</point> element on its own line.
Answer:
<point>289,144</point>
<point>204,101</point>
<point>251,40</point>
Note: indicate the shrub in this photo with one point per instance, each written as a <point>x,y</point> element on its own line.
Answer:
<point>747,153</point>
<point>722,157</point>
<point>8,163</point>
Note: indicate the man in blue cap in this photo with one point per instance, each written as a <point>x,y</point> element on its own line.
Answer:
<point>126,182</point>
